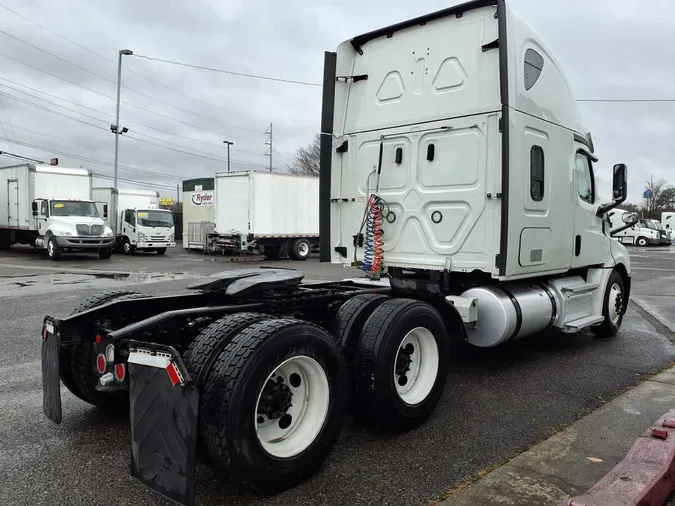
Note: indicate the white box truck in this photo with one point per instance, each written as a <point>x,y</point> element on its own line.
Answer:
<point>199,212</point>
<point>136,219</point>
<point>643,233</point>
<point>51,208</point>
<point>275,213</point>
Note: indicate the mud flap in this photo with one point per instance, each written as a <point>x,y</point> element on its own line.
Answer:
<point>51,382</point>
<point>163,411</point>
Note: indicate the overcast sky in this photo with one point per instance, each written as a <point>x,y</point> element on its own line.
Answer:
<point>609,49</point>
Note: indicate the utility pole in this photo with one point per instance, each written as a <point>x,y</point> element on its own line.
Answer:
<point>115,128</point>
<point>177,195</point>
<point>229,143</point>
<point>268,142</point>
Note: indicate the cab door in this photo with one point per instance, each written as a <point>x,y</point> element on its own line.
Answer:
<point>591,245</point>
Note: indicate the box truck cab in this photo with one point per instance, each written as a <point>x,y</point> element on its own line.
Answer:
<point>136,219</point>
<point>51,208</point>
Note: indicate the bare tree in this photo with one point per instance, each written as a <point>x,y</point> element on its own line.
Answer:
<point>660,197</point>
<point>306,160</point>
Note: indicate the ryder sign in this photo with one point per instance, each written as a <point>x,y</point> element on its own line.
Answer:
<point>202,198</point>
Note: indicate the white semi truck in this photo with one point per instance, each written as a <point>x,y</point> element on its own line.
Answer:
<point>51,208</point>
<point>453,163</point>
<point>277,214</point>
<point>136,219</point>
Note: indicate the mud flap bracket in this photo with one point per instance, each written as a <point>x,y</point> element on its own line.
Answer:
<point>163,412</point>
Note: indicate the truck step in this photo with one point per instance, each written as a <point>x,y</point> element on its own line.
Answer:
<point>582,323</point>
<point>581,288</point>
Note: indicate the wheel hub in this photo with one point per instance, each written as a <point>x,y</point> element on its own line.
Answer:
<point>275,400</point>
<point>404,359</point>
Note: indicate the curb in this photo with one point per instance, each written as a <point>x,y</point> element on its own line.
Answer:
<point>645,477</point>
<point>654,313</point>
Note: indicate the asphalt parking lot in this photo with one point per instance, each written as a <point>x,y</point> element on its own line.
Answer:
<point>497,403</point>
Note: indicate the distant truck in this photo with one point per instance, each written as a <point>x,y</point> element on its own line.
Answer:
<point>136,220</point>
<point>277,214</point>
<point>51,208</point>
<point>640,234</point>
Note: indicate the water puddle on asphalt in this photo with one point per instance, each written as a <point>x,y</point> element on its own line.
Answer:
<point>34,284</point>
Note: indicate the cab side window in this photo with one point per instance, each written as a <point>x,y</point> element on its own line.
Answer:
<point>584,178</point>
<point>44,208</point>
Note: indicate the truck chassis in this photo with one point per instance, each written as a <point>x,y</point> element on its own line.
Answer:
<point>189,367</point>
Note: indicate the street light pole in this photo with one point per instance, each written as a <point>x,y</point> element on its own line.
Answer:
<point>229,143</point>
<point>117,112</point>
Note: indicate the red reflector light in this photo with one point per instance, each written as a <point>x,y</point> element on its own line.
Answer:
<point>101,364</point>
<point>44,334</point>
<point>98,339</point>
<point>172,370</point>
<point>120,372</point>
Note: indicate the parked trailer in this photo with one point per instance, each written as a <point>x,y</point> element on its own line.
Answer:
<point>462,176</point>
<point>277,214</point>
<point>199,214</point>
<point>136,219</point>
<point>51,208</point>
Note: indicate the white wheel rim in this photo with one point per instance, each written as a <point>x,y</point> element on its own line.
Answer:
<point>50,248</point>
<point>303,249</point>
<point>127,247</point>
<point>615,295</point>
<point>306,380</point>
<point>416,366</point>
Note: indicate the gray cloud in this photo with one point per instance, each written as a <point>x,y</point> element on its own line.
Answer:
<point>608,50</point>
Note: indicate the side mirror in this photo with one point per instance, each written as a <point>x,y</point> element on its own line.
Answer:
<point>34,207</point>
<point>630,218</point>
<point>105,211</point>
<point>620,182</point>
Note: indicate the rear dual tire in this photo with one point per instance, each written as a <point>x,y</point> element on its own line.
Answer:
<point>399,363</point>
<point>273,397</point>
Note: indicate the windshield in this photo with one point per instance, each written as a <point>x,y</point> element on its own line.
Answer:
<point>73,208</point>
<point>653,224</point>
<point>155,219</point>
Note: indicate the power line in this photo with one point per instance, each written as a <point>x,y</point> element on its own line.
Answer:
<point>124,102</point>
<point>76,157</point>
<point>126,87</point>
<point>143,171</point>
<point>92,160</point>
<point>112,116</point>
<point>27,102</point>
<point>129,70</point>
<point>241,74</point>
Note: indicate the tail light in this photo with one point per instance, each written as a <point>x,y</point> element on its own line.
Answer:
<point>120,372</point>
<point>101,363</point>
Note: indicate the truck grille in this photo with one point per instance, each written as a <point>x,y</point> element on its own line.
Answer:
<point>84,230</point>
<point>157,238</point>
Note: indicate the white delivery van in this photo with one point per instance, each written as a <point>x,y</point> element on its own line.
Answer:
<point>51,208</point>
<point>276,213</point>
<point>136,219</point>
<point>199,212</point>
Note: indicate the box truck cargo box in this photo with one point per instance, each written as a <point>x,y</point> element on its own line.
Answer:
<point>277,214</point>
